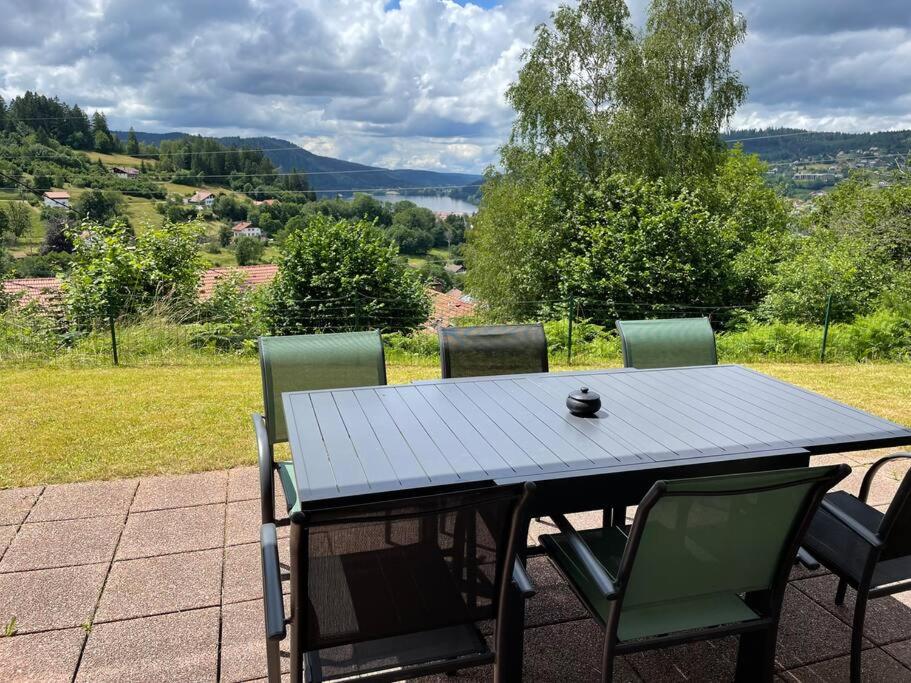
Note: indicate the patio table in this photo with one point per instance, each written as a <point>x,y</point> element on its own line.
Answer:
<point>350,444</point>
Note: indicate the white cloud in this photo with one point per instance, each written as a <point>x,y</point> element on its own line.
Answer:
<point>418,85</point>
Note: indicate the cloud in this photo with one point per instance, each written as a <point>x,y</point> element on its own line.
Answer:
<point>410,83</point>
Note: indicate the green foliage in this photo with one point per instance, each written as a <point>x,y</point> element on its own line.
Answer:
<point>57,228</point>
<point>231,318</point>
<point>98,205</point>
<point>204,159</point>
<point>341,275</point>
<point>18,218</point>
<point>132,142</point>
<point>852,270</point>
<point>248,250</point>
<point>649,103</point>
<point>114,274</point>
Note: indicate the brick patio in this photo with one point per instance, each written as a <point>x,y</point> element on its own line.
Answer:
<point>158,580</point>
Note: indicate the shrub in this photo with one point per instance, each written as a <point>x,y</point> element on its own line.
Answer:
<point>337,275</point>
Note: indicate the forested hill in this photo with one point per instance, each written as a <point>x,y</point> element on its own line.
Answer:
<point>332,175</point>
<point>792,144</point>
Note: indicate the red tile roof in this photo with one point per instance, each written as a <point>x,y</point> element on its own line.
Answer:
<point>199,196</point>
<point>57,195</point>
<point>447,306</point>
<point>43,290</point>
<point>243,225</point>
<point>255,276</point>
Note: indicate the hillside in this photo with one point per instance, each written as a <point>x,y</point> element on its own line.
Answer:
<point>794,144</point>
<point>332,175</point>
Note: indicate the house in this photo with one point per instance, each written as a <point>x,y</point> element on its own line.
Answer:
<point>202,198</point>
<point>247,229</point>
<point>57,200</point>
<point>126,172</point>
<point>454,268</point>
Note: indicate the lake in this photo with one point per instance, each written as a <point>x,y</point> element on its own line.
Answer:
<point>435,204</point>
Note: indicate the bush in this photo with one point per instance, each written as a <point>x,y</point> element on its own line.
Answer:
<point>338,275</point>
<point>248,250</point>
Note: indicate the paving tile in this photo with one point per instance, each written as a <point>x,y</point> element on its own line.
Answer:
<point>50,598</point>
<point>6,535</point>
<point>163,493</point>
<point>554,601</point>
<point>243,642</point>
<point>172,531</point>
<point>887,619</point>
<point>49,657</point>
<point>900,651</point>
<point>16,503</point>
<point>156,585</point>
<point>707,660</point>
<point>88,499</point>
<point>40,545</point>
<point>592,519</point>
<point>876,665</point>
<point>560,652</point>
<point>169,647</point>
<point>808,633</point>
<point>243,572</point>
<point>244,520</point>
<point>243,483</point>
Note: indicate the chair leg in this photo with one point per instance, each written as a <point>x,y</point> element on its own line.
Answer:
<point>756,656</point>
<point>857,635</point>
<point>607,659</point>
<point>840,592</point>
<point>273,661</point>
<point>297,655</point>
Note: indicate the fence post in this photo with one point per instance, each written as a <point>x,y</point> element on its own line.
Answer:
<point>357,312</point>
<point>569,341</point>
<point>825,329</point>
<point>113,336</point>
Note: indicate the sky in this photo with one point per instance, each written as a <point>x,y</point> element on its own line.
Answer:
<point>411,83</point>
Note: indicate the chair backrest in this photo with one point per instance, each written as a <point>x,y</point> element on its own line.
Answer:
<point>674,342</point>
<point>492,350</point>
<point>895,528</point>
<point>407,566</point>
<point>316,361</point>
<point>720,535</point>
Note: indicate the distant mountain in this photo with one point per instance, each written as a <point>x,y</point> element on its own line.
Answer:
<point>791,144</point>
<point>330,176</point>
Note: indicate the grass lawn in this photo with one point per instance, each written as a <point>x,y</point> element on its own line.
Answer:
<point>119,159</point>
<point>102,423</point>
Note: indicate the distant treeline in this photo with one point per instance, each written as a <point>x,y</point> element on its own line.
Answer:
<point>791,144</point>
<point>52,119</point>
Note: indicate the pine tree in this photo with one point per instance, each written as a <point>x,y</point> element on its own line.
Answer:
<point>132,143</point>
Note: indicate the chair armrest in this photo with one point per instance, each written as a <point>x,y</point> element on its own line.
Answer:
<point>806,560</point>
<point>266,470</point>
<point>859,529</point>
<point>273,604</point>
<point>603,582</point>
<point>874,468</point>
<point>522,581</point>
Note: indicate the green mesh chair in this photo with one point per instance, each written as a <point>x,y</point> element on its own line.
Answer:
<point>304,363</point>
<point>675,342</point>
<point>492,350</point>
<point>705,558</point>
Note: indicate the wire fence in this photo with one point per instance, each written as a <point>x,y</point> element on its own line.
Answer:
<point>579,330</point>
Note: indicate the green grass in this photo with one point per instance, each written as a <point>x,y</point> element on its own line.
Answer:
<point>119,159</point>
<point>76,424</point>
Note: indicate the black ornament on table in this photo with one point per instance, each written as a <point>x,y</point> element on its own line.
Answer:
<point>583,403</point>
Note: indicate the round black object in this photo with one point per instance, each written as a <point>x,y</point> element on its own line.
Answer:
<point>583,403</point>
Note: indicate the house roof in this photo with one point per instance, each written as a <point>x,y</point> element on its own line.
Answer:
<point>57,195</point>
<point>267,202</point>
<point>129,170</point>
<point>200,196</point>
<point>255,276</point>
<point>447,306</point>
<point>243,225</point>
<point>42,290</point>
<point>454,268</point>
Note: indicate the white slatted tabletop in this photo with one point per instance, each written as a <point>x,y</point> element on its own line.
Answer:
<point>351,442</point>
